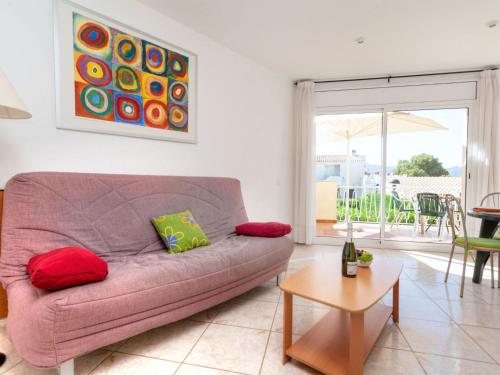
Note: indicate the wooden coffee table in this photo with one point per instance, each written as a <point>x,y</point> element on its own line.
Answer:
<point>341,341</point>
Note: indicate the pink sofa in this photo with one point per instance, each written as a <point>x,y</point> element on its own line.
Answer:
<point>146,287</point>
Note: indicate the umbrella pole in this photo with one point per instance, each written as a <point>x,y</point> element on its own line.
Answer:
<point>347,181</point>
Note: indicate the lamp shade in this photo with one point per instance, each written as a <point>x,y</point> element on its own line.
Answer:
<point>10,104</point>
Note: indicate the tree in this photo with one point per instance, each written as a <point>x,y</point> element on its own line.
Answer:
<point>421,165</point>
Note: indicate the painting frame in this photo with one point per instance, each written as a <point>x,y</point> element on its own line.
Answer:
<point>66,81</point>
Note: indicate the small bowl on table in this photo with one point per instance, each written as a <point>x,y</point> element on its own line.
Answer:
<point>364,264</point>
<point>365,258</point>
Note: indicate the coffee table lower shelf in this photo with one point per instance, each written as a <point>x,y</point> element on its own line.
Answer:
<point>325,347</point>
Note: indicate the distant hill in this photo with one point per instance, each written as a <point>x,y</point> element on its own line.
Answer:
<point>372,168</point>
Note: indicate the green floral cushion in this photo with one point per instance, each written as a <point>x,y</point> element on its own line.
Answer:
<point>180,231</point>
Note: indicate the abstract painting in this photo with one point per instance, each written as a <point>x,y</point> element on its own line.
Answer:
<point>123,81</point>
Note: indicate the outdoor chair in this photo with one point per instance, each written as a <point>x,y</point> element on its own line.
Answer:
<point>492,200</point>
<point>467,243</point>
<point>404,208</point>
<point>430,205</point>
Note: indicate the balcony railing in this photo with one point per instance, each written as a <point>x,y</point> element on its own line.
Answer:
<point>365,205</point>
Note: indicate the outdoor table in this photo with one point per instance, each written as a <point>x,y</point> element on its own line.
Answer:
<point>489,224</point>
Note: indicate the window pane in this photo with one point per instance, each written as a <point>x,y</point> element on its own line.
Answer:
<point>426,156</point>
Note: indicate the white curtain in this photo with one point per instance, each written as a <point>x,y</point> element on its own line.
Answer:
<point>304,151</point>
<point>484,149</point>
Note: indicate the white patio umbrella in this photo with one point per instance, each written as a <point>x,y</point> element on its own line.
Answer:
<point>365,126</point>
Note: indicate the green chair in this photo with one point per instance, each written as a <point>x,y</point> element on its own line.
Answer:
<point>467,243</point>
<point>430,205</point>
<point>492,200</point>
<point>404,208</point>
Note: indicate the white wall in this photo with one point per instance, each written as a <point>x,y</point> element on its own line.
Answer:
<point>244,112</point>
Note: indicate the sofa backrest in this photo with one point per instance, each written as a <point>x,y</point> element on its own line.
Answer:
<point>108,214</point>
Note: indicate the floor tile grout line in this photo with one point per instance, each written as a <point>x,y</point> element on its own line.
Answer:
<point>443,311</point>
<point>257,300</point>
<point>220,324</point>
<point>409,345</point>
<point>455,357</point>
<point>215,368</point>
<point>478,288</point>
<point>145,356</point>
<point>192,347</point>
<point>404,317</point>
<point>211,368</point>
<point>457,324</point>
<point>393,348</point>
<point>110,353</point>
<point>404,337</point>
<point>135,355</point>
<point>477,343</point>
<point>466,301</point>
<point>243,327</point>
<point>407,341</point>
<point>420,363</point>
<point>269,337</point>
<point>12,367</point>
<point>451,315</point>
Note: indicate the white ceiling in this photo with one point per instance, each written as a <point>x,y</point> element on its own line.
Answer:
<point>316,38</point>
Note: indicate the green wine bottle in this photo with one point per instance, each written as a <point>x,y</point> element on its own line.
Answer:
<point>349,257</point>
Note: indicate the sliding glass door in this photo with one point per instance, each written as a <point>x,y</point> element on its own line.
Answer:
<point>381,170</point>
<point>426,159</point>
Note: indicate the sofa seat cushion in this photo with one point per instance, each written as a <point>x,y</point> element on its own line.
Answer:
<point>140,287</point>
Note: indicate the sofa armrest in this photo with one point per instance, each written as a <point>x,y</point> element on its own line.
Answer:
<point>30,324</point>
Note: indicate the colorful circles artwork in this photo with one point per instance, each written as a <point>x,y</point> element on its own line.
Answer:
<point>154,87</point>
<point>128,108</point>
<point>93,101</point>
<point>154,58</point>
<point>96,100</point>
<point>93,70</point>
<point>125,79</point>
<point>177,117</point>
<point>177,92</point>
<point>127,50</point>
<point>91,37</point>
<point>177,66</point>
<point>155,114</point>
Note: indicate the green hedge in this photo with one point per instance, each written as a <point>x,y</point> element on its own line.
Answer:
<point>367,209</point>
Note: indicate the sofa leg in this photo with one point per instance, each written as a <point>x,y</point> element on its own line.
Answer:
<point>279,278</point>
<point>67,368</point>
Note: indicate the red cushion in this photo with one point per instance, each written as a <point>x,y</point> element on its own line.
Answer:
<point>271,229</point>
<point>65,267</point>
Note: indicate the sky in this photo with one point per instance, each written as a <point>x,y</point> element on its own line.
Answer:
<point>447,145</point>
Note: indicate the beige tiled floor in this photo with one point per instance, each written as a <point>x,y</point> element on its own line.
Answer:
<point>438,332</point>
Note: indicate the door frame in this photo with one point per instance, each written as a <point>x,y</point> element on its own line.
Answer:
<point>472,109</point>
